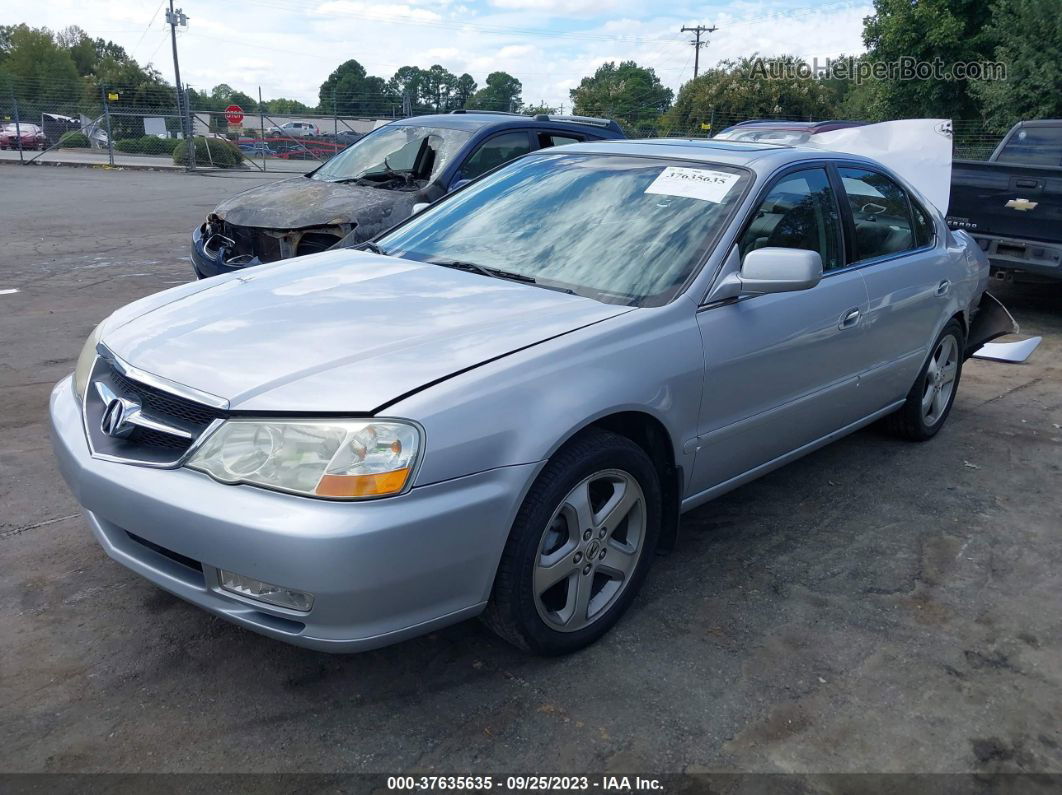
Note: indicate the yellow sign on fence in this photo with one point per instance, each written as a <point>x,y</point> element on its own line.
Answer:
<point>112,96</point>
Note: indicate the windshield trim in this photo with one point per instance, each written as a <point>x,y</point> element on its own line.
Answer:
<point>392,126</point>
<point>706,252</point>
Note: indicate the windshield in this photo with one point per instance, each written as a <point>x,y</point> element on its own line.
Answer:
<point>422,151</point>
<point>618,229</point>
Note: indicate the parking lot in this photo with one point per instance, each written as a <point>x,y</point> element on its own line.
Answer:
<point>876,606</point>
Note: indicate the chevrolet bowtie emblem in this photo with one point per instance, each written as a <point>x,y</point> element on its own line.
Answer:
<point>1021,204</point>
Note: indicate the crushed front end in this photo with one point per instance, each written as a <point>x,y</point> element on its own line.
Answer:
<point>221,247</point>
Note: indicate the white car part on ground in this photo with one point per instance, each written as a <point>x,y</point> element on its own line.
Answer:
<point>1015,352</point>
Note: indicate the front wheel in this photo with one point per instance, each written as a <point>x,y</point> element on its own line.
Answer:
<point>580,547</point>
<point>930,399</point>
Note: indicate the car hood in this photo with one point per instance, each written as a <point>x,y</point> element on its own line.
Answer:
<point>301,202</point>
<point>342,331</point>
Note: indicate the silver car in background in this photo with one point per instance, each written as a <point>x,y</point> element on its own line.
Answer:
<point>504,404</point>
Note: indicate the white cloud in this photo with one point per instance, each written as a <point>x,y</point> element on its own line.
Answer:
<point>560,7</point>
<point>376,11</point>
<point>550,45</point>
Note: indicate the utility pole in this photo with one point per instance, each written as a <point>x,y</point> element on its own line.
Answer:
<point>173,19</point>
<point>697,30</point>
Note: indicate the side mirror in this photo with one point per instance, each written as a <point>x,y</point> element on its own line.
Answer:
<point>459,183</point>
<point>780,270</point>
<point>419,206</point>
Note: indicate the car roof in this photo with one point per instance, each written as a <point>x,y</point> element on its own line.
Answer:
<point>805,126</point>
<point>760,156</point>
<point>473,121</point>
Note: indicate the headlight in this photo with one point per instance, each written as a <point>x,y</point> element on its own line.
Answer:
<point>340,459</point>
<point>86,360</point>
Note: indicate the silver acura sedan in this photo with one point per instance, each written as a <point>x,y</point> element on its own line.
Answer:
<point>503,405</point>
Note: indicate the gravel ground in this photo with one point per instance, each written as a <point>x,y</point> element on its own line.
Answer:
<point>876,606</point>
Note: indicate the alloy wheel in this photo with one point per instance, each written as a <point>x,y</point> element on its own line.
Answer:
<point>940,380</point>
<point>589,550</point>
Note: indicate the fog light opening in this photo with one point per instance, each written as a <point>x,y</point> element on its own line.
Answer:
<point>265,592</point>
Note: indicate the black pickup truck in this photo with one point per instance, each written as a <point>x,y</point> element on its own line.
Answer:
<point>1012,203</point>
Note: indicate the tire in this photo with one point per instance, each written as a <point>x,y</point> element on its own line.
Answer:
<point>594,578</point>
<point>929,402</point>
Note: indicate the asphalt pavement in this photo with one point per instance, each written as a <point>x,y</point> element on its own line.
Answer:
<point>877,606</point>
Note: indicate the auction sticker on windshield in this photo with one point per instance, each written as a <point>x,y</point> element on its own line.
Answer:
<point>693,183</point>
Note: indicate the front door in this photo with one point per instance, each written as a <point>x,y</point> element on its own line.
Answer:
<point>782,370</point>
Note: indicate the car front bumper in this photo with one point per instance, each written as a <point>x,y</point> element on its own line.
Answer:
<point>380,571</point>
<point>208,263</point>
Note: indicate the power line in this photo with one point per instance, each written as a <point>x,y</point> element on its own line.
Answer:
<point>697,30</point>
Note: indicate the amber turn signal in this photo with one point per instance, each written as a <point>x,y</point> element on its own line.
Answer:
<point>362,485</point>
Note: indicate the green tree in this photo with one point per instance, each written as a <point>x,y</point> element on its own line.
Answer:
<point>351,91</point>
<point>222,95</point>
<point>1030,44</point>
<point>952,31</point>
<point>280,105</point>
<point>39,72</point>
<point>437,85</point>
<point>404,87</point>
<point>6,32</point>
<point>748,88</point>
<point>629,93</point>
<point>464,88</point>
<point>89,53</point>
<point>541,107</point>
<point>501,92</point>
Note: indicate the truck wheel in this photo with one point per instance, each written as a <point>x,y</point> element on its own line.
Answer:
<point>929,401</point>
<point>580,547</point>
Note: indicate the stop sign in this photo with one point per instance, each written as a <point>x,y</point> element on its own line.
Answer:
<point>234,114</point>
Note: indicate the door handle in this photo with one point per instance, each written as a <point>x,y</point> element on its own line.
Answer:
<point>849,319</point>
<point>943,287</point>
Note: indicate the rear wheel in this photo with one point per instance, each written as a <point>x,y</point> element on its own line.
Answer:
<point>930,399</point>
<point>580,546</point>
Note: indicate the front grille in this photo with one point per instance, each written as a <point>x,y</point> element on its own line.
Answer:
<point>164,405</point>
<point>142,444</point>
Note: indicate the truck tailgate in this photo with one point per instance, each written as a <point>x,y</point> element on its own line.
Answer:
<point>1007,200</point>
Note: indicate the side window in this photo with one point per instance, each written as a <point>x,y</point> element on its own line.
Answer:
<point>798,212</point>
<point>495,151</point>
<point>880,212</point>
<point>546,140</point>
<point>923,223</point>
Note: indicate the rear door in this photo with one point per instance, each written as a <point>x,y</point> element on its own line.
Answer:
<point>909,281</point>
<point>782,370</point>
<point>494,151</point>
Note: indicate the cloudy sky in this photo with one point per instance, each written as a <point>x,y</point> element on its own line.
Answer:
<point>289,47</point>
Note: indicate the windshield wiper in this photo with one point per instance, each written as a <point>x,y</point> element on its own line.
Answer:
<point>370,246</point>
<point>370,176</point>
<point>483,270</point>
<point>498,273</point>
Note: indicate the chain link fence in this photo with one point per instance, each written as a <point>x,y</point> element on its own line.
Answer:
<point>150,125</point>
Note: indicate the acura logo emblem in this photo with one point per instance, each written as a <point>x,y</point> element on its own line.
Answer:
<point>119,414</point>
<point>115,421</point>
